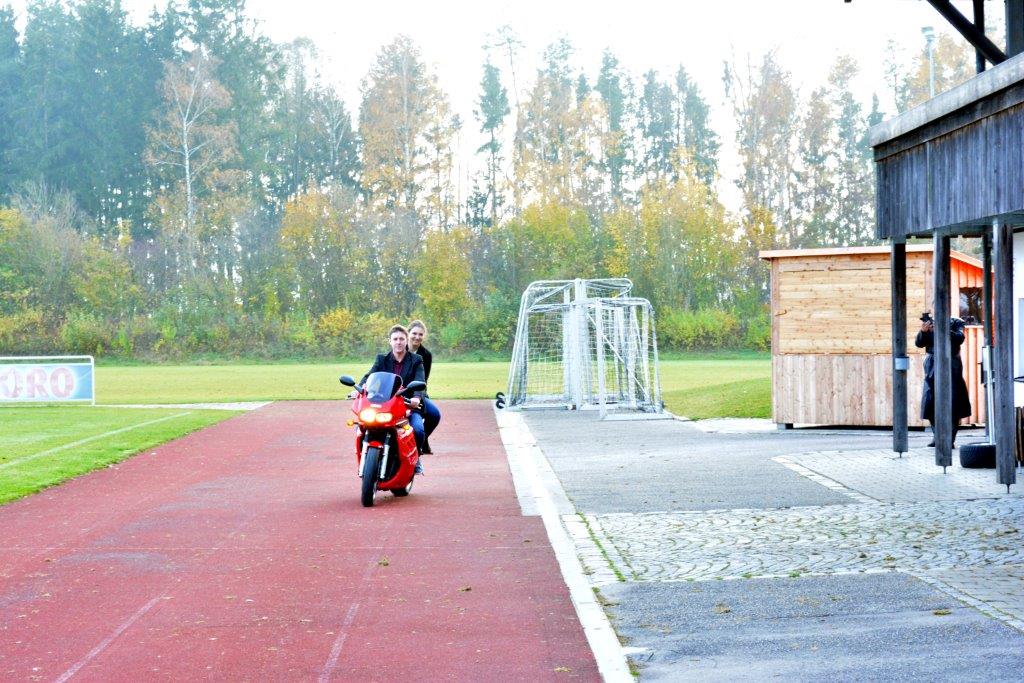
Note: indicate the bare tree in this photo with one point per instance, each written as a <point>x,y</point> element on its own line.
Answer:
<point>188,138</point>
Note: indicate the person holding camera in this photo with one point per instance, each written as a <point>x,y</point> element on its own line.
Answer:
<point>961,401</point>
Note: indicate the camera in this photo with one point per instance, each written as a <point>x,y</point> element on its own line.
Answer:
<point>926,317</point>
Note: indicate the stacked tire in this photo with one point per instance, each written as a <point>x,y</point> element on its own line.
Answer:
<point>978,456</point>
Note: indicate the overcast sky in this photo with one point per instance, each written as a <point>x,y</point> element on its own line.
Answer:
<point>807,36</point>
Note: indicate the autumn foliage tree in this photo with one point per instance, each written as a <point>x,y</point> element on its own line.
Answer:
<point>187,185</point>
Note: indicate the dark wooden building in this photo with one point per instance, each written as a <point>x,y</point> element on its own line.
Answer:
<point>954,166</point>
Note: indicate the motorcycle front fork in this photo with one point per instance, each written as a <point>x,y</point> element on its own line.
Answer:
<point>383,455</point>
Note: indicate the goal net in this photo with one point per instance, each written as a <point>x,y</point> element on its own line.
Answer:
<point>585,344</point>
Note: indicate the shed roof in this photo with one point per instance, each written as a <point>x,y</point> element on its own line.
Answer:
<point>768,255</point>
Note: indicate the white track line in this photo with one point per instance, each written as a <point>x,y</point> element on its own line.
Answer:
<point>93,653</point>
<point>346,624</point>
<point>604,643</point>
<point>40,454</point>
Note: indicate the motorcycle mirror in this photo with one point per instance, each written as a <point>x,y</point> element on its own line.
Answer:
<point>414,387</point>
<point>347,381</point>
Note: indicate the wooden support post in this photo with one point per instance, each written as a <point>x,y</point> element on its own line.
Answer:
<point>942,363</point>
<point>1014,27</point>
<point>986,322</point>
<point>979,23</point>
<point>986,285</point>
<point>900,361</point>
<point>1003,418</point>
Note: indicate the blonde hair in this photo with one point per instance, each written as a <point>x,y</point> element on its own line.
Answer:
<point>417,323</point>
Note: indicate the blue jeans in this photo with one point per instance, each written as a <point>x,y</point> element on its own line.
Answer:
<point>431,416</point>
<point>416,422</point>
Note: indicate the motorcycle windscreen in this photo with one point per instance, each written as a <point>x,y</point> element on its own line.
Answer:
<point>382,386</point>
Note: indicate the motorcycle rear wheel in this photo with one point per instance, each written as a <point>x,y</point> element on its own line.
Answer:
<point>403,492</point>
<point>371,470</point>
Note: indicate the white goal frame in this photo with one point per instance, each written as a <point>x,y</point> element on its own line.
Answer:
<point>583,345</point>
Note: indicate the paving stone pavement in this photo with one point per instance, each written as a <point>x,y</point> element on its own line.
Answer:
<point>960,532</point>
<point>730,544</point>
<point>883,476</point>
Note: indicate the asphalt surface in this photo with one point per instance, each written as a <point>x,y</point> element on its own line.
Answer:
<point>612,466</point>
<point>875,627</point>
<point>641,484</point>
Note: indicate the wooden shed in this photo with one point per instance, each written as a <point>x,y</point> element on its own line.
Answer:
<point>831,312</point>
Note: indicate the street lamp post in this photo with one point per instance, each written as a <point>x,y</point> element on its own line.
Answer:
<point>929,40</point>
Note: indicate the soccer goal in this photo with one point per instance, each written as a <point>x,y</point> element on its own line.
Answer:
<point>585,344</point>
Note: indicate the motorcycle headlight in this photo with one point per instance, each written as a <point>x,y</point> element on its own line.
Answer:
<point>383,417</point>
<point>368,415</point>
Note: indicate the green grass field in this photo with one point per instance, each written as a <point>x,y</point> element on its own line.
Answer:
<point>40,447</point>
<point>700,387</point>
<point>272,382</point>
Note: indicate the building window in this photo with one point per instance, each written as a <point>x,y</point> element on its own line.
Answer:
<point>971,307</point>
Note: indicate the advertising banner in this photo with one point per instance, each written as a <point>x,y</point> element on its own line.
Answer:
<point>46,380</point>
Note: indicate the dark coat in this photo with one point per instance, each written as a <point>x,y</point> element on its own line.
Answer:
<point>412,368</point>
<point>428,358</point>
<point>961,400</point>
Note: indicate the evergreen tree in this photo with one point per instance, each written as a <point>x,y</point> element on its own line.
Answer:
<point>113,98</point>
<point>583,90</point>
<point>854,173</point>
<point>657,125</point>
<point>10,93</point>
<point>333,125</point>
<point>492,108</point>
<point>296,144</point>
<point>612,90</point>
<point>46,110</point>
<point>815,180</point>
<point>693,128</point>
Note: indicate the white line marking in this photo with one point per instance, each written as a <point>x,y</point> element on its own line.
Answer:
<point>984,607</point>
<point>108,640</point>
<point>827,482</point>
<point>604,643</point>
<point>346,624</point>
<point>40,454</point>
<point>238,405</point>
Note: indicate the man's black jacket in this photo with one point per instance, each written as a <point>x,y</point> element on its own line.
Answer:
<point>412,368</point>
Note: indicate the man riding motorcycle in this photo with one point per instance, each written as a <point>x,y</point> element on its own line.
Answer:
<point>409,366</point>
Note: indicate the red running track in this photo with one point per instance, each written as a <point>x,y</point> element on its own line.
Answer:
<point>241,552</point>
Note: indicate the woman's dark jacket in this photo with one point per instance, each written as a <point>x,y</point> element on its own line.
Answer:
<point>412,368</point>
<point>428,358</point>
<point>961,401</point>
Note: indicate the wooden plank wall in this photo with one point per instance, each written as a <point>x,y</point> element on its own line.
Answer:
<point>961,169</point>
<point>840,389</point>
<point>841,304</point>
<point>831,338</point>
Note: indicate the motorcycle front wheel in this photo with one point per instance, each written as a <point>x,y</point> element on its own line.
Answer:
<point>371,470</point>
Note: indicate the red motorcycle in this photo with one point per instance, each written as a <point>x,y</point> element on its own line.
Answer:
<point>386,452</point>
